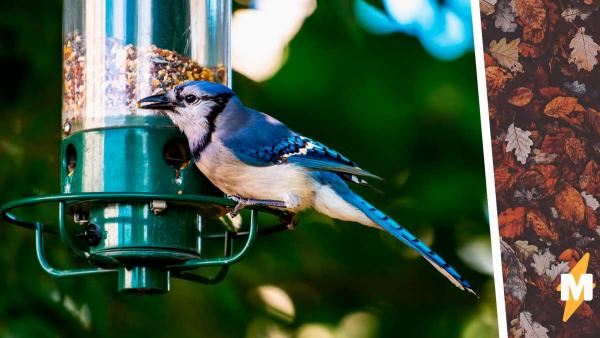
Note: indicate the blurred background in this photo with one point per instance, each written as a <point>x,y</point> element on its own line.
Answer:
<point>391,84</point>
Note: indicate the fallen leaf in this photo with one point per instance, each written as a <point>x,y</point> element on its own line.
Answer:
<point>519,141</point>
<point>575,150</point>
<point>541,157</point>
<point>531,186</point>
<point>570,206</point>
<point>505,16</point>
<point>534,35</point>
<point>575,88</point>
<point>590,200</point>
<point>560,106</point>
<point>590,218</point>
<point>537,221</point>
<point>555,142</point>
<point>505,176</point>
<point>512,222</point>
<point>507,54</point>
<point>542,261</point>
<point>488,60</point>
<point>584,50</point>
<point>487,6</point>
<point>550,92</point>
<point>556,270</point>
<point>532,13</point>
<point>590,177</point>
<point>496,79</point>
<point>594,120</point>
<point>520,96</point>
<point>512,270</point>
<point>525,249</point>
<point>571,13</point>
<point>571,256</point>
<point>529,50</point>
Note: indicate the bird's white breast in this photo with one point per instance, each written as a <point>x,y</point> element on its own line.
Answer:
<point>284,182</point>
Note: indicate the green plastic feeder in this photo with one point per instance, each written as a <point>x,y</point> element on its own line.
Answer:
<point>139,204</point>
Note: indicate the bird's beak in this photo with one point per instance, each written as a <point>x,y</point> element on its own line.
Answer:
<point>160,101</point>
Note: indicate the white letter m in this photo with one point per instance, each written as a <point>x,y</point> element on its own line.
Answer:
<point>568,286</point>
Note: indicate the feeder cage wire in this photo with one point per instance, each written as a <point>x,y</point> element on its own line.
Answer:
<point>139,206</point>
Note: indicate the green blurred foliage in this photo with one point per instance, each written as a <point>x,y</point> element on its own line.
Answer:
<point>380,100</point>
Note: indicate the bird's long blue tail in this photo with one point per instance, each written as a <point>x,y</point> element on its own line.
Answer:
<point>388,224</point>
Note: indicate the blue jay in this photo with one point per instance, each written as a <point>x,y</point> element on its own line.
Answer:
<point>257,160</point>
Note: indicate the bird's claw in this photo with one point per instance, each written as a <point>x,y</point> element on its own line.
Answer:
<point>236,209</point>
<point>289,219</point>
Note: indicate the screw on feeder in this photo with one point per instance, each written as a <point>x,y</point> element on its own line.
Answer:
<point>92,234</point>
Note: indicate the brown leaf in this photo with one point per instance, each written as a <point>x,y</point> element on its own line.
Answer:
<point>505,176</point>
<point>532,16</point>
<point>512,222</point>
<point>529,50</point>
<point>554,142</point>
<point>551,92</point>
<point>560,106</point>
<point>496,79</point>
<point>489,61</point>
<point>520,96</point>
<point>590,218</point>
<point>537,221</point>
<point>534,35</point>
<point>571,256</point>
<point>531,186</point>
<point>570,205</point>
<point>590,177</point>
<point>531,13</point>
<point>575,150</point>
<point>594,120</point>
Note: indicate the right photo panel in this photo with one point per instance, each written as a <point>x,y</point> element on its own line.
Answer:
<point>540,59</point>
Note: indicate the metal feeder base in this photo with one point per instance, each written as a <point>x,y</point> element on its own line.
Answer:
<point>144,280</point>
<point>140,270</point>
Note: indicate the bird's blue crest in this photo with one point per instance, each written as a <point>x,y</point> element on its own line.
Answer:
<point>210,88</point>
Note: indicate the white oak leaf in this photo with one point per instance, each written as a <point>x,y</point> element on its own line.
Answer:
<point>532,328</point>
<point>519,141</point>
<point>542,261</point>
<point>525,249</point>
<point>571,13</point>
<point>584,50</point>
<point>506,16</point>
<point>556,270</point>
<point>507,54</point>
<point>590,200</point>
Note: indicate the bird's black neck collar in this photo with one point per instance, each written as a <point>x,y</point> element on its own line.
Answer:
<point>220,102</point>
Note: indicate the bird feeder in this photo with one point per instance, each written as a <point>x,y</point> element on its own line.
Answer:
<point>138,204</point>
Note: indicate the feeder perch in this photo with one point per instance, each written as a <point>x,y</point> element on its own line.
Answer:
<point>139,204</point>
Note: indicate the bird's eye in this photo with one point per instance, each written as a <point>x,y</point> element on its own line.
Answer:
<point>190,99</point>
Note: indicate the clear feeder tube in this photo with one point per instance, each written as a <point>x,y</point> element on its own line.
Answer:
<point>116,52</point>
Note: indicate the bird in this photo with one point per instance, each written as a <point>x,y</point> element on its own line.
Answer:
<point>256,160</point>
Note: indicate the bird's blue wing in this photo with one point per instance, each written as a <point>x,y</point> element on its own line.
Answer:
<point>307,153</point>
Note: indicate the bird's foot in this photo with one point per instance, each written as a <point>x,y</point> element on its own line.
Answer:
<point>245,202</point>
<point>290,219</point>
